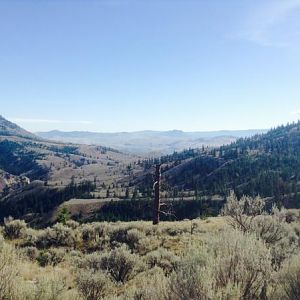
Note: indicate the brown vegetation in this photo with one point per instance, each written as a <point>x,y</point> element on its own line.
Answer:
<point>246,254</point>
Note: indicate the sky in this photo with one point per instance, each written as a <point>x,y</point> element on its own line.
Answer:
<point>129,65</point>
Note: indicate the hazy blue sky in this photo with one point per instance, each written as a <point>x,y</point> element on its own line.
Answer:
<point>124,65</point>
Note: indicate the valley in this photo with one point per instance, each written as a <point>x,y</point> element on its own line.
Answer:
<point>33,164</point>
<point>39,177</point>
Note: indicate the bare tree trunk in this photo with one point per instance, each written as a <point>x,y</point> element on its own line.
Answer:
<point>156,204</point>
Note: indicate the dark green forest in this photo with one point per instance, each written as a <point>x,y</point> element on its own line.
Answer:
<point>38,199</point>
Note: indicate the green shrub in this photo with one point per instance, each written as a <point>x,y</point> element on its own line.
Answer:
<point>241,212</point>
<point>279,235</point>
<point>133,238</point>
<point>44,258</point>
<point>119,263</point>
<point>193,278</point>
<point>118,235</point>
<point>242,261</point>
<point>100,229</point>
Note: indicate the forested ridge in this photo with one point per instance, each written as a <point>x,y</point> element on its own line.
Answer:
<point>266,164</point>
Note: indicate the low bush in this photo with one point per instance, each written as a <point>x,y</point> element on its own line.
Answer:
<point>30,238</point>
<point>45,238</point>
<point>64,236</point>
<point>88,233</point>
<point>125,235</point>
<point>72,224</point>
<point>30,253</point>
<point>13,229</point>
<point>91,261</point>
<point>162,258</point>
<point>121,264</point>
<point>257,257</point>
<point>275,229</point>
<point>51,257</point>
<point>230,265</point>
<point>94,285</point>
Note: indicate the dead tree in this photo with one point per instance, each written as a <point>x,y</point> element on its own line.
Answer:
<point>156,204</point>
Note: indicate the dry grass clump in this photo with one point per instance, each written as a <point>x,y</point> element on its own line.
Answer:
<point>150,285</point>
<point>288,279</point>
<point>49,287</point>
<point>9,270</point>
<point>15,286</point>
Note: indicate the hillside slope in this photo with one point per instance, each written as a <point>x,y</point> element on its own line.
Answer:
<point>8,128</point>
<point>47,169</point>
<point>266,164</point>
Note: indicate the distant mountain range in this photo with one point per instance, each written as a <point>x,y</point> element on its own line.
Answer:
<point>151,142</point>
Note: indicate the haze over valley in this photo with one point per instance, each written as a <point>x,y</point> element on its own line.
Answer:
<point>151,142</point>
